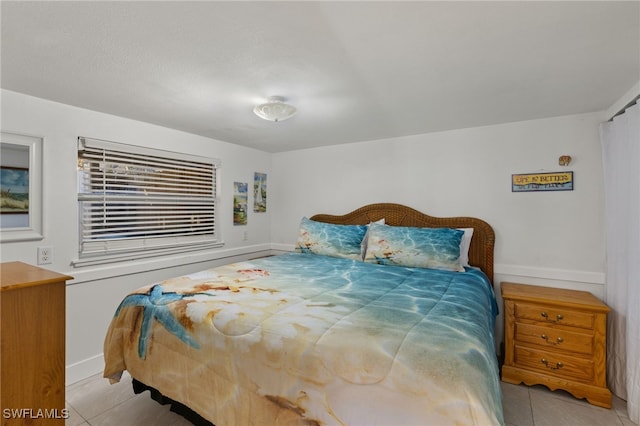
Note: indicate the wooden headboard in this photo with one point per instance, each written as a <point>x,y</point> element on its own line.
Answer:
<point>482,243</point>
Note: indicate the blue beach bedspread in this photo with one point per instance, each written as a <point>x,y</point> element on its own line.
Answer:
<point>312,339</point>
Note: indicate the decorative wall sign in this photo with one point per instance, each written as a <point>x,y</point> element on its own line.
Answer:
<point>240,203</point>
<point>555,181</point>
<point>260,192</point>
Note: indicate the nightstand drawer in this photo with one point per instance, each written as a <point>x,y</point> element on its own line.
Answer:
<point>553,315</point>
<point>554,338</point>
<point>554,363</point>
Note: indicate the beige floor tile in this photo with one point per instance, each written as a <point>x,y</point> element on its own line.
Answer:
<point>139,410</point>
<point>102,404</point>
<point>627,422</point>
<point>516,405</point>
<point>553,409</point>
<point>93,396</point>
<point>74,419</point>
<point>620,407</point>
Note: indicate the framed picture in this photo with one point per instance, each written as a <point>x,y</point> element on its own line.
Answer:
<point>259,192</point>
<point>21,209</point>
<point>240,203</point>
<point>14,188</point>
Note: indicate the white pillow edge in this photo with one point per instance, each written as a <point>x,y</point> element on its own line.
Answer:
<point>363,243</point>
<point>465,243</point>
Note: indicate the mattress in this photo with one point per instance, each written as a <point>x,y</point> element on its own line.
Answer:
<point>311,339</point>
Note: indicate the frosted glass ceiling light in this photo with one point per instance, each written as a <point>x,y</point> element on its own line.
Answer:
<point>275,109</point>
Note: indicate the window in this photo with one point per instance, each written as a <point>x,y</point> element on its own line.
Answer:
<point>139,202</point>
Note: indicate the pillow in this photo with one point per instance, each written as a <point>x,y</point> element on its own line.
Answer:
<point>436,248</point>
<point>330,240</point>
<point>363,244</point>
<point>465,243</point>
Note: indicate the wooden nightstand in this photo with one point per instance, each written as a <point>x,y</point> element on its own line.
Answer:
<point>32,355</point>
<point>556,338</point>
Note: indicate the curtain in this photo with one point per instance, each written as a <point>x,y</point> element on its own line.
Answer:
<point>621,164</point>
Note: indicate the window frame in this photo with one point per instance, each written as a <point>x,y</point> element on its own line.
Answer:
<point>144,193</point>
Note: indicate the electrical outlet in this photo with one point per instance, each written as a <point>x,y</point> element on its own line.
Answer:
<point>245,236</point>
<point>45,255</point>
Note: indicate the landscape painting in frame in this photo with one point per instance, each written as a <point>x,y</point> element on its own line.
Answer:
<point>240,203</point>
<point>14,187</point>
<point>260,192</point>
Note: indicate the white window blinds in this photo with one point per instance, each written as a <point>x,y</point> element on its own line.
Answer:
<point>134,199</point>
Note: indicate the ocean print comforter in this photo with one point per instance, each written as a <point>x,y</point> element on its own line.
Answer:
<point>311,339</point>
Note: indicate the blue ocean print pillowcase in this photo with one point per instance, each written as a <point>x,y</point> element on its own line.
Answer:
<point>330,240</point>
<point>435,248</point>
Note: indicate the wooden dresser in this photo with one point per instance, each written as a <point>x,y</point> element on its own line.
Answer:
<point>32,354</point>
<point>556,338</point>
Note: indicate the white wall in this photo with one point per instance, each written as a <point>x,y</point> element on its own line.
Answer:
<point>544,238</point>
<point>96,291</point>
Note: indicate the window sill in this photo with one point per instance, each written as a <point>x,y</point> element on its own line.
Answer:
<point>155,262</point>
<point>123,257</point>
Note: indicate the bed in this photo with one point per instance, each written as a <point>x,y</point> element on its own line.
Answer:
<point>353,328</point>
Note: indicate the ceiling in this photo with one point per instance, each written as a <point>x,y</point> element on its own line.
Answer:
<point>356,71</point>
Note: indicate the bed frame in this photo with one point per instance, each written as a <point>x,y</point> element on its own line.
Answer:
<point>482,243</point>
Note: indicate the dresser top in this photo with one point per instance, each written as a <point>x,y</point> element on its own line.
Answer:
<point>15,275</point>
<point>547,295</point>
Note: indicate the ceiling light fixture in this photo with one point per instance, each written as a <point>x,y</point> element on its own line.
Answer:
<point>275,109</point>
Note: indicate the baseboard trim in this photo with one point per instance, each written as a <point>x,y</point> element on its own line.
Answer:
<point>282,247</point>
<point>551,274</point>
<point>86,368</point>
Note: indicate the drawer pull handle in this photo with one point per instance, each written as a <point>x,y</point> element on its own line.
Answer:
<point>546,339</point>
<point>546,316</point>
<point>550,366</point>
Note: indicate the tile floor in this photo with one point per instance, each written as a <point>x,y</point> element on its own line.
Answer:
<point>94,402</point>
<point>538,406</point>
